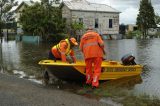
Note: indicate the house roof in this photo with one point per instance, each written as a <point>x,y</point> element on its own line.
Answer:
<point>83,5</point>
<point>29,3</point>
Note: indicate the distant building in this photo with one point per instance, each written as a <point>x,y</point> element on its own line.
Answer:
<point>103,18</point>
<point>130,28</point>
<point>154,31</point>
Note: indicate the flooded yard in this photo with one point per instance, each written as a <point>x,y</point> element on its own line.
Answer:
<point>21,59</point>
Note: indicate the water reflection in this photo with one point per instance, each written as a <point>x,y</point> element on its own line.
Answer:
<point>22,58</point>
<point>116,49</point>
<point>10,54</point>
<point>127,82</point>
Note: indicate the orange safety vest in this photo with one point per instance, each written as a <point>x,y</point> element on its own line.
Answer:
<point>90,45</point>
<point>62,49</point>
<point>68,50</point>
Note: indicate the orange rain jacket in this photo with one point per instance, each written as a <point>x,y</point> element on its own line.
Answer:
<point>92,45</point>
<point>63,49</point>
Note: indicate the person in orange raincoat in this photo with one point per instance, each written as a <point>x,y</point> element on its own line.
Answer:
<point>92,47</point>
<point>62,49</point>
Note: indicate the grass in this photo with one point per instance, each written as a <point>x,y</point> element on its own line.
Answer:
<point>120,95</point>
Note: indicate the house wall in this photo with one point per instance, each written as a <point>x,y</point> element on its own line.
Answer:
<point>130,27</point>
<point>66,13</point>
<point>18,15</point>
<point>89,20</point>
<point>103,21</point>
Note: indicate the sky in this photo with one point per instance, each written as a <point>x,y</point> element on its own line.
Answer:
<point>128,8</point>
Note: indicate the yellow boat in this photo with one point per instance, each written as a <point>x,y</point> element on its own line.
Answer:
<point>76,71</point>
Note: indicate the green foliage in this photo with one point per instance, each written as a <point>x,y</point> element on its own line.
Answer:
<point>57,37</point>
<point>129,35</point>
<point>47,1</point>
<point>77,26</point>
<point>30,24</point>
<point>5,7</point>
<point>134,34</point>
<point>122,29</point>
<point>137,33</point>
<point>1,24</point>
<point>43,20</point>
<point>146,17</point>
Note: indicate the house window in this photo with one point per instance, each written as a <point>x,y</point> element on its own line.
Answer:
<point>96,23</point>
<point>110,23</point>
<point>80,20</point>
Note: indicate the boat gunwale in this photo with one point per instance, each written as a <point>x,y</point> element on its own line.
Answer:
<point>118,65</point>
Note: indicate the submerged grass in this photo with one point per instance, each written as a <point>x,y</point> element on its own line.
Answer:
<point>141,100</point>
<point>120,95</point>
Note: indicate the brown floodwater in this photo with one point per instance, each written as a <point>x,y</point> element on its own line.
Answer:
<point>21,59</point>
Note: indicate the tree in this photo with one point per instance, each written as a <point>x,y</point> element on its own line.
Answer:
<point>122,29</point>
<point>157,19</point>
<point>42,19</point>
<point>76,26</point>
<point>146,17</point>
<point>5,13</point>
<point>50,1</point>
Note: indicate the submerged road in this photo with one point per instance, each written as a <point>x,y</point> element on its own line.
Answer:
<point>20,92</point>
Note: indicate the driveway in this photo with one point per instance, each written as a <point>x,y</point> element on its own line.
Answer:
<point>21,92</point>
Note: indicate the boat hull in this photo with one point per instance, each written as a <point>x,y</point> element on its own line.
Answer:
<point>66,73</point>
<point>110,70</point>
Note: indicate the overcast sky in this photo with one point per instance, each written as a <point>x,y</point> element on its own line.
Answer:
<point>128,8</point>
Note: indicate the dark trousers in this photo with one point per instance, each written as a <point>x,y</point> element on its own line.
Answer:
<point>52,57</point>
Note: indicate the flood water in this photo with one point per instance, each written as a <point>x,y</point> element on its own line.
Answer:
<point>21,59</point>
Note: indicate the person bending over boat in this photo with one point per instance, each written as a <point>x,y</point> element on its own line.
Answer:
<point>92,47</point>
<point>63,49</point>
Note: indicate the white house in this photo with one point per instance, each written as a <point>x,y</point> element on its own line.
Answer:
<point>103,18</point>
